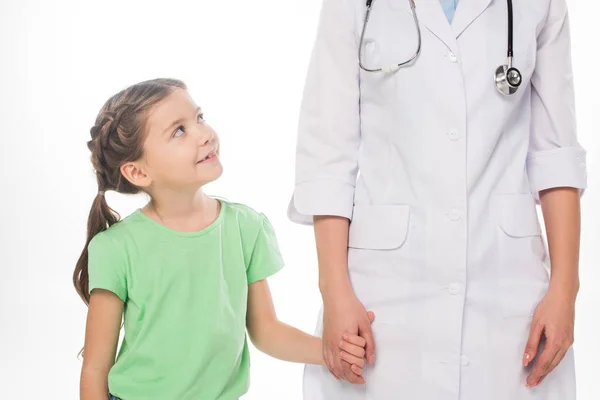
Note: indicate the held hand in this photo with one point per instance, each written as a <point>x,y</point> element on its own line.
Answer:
<point>345,314</point>
<point>553,318</point>
<point>353,349</point>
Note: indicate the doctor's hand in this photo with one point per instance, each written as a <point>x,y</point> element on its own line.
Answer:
<point>554,319</point>
<point>345,314</point>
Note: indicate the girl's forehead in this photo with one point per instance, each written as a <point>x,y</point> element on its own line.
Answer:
<point>175,107</point>
<point>176,103</point>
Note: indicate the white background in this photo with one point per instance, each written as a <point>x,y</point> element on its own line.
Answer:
<point>244,62</point>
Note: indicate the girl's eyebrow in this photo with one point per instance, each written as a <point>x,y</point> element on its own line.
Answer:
<point>178,122</point>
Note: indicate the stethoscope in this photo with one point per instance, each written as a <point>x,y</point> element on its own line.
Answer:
<point>506,77</point>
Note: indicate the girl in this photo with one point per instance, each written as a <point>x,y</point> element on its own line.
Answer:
<point>187,272</point>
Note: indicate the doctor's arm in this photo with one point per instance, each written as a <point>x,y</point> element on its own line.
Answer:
<point>326,171</point>
<point>561,210</point>
<point>555,315</point>
<point>557,173</point>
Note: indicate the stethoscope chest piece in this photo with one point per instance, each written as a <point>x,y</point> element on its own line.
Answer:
<point>507,79</point>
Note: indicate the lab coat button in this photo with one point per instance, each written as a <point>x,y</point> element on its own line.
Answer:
<point>452,57</point>
<point>454,215</point>
<point>464,360</point>
<point>453,288</point>
<point>453,134</point>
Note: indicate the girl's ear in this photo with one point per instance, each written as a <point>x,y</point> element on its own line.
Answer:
<point>136,174</point>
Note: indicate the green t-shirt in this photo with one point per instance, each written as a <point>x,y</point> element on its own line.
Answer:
<point>185,300</point>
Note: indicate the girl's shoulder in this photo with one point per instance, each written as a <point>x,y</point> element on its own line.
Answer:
<point>243,214</point>
<point>239,208</point>
<point>116,234</point>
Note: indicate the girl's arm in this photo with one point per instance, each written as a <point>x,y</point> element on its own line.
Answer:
<point>272,336</point>
<point>287,343</point>
<point>101,339</point>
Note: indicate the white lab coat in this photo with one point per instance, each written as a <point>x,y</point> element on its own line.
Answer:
<point>445,245</point>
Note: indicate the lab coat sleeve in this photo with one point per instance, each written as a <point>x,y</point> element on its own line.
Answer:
<point>555,157</point>
<point>328,132</point>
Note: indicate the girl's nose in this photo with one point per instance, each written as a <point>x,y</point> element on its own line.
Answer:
<point>204,136</point>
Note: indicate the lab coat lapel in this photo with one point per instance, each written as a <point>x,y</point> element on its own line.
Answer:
<point>467,11</point>
<point>431,17</point>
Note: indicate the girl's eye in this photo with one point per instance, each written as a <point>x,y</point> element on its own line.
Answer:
<point>180,131</point>
<point>200,118</point>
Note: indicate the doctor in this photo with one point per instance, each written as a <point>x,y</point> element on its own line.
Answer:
<point>420,165</point>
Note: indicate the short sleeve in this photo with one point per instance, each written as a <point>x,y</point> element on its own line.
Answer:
<point>266,257</point>
<point>555,156</point>
<point>107,266</point>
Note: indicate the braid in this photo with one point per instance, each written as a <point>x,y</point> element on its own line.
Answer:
<point>115,140</point>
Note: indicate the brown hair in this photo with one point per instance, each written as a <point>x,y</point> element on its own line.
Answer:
<point>117,138</point>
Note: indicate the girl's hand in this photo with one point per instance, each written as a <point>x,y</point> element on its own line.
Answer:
<point>344,313</point>
<point>554,318</point>
<point>353,350</point>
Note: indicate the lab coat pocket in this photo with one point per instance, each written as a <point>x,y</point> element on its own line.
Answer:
<point>521,255</point>
<point>379,226</point>
<point>399,365</point>
<point>379,261</point>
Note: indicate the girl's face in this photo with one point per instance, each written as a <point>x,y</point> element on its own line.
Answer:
<point>181,150</point>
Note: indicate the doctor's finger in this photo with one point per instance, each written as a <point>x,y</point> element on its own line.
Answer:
<point>542,366</point>
<point>371,316</point>
<point>328,358</point>
<point>334,374</point>
<point>367,334</point>
<point>557,359</point>
<point>533,342</point>
<point>337,364</point>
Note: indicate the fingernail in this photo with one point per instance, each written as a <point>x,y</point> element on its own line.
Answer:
<point>526,359</point>
<point>345,336</point>
<point>371,360</point>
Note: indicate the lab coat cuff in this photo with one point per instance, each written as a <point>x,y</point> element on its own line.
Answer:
<point>324,197</point>
<point>563,167</point>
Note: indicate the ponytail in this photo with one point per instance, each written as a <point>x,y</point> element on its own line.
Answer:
<point>101,218</point>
